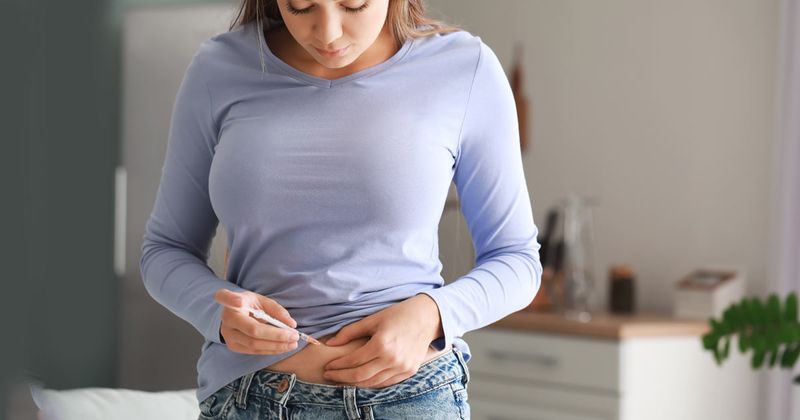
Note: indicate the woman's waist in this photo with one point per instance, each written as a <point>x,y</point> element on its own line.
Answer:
<point>309,363</point>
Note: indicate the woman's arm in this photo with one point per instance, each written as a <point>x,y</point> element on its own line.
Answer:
<point>494,199</point>
<point>182,224</point>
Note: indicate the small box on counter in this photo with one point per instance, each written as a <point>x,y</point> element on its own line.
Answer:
<point>706,292</point>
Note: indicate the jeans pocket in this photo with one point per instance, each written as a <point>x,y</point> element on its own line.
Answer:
<point>215,406</point>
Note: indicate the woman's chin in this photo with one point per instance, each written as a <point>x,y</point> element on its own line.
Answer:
<point>334,63</point>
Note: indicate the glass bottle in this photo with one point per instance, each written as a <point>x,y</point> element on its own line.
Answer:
<point>579,256</point>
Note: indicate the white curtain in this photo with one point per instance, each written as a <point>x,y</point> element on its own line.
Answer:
<point>782,397</point>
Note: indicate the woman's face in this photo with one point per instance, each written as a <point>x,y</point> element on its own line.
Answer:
<point>347,27</point>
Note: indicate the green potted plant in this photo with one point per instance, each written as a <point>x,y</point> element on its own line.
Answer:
<point>766,328</point>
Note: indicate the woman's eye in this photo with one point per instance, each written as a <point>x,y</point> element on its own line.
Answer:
<point>308,9</point>
<point>356,9</point>
<point>294,11</point>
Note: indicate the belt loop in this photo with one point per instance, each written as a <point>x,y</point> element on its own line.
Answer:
<point>350,405</point>
<point>243,388</point>
<point>285,387</point>
<point>463,364</point>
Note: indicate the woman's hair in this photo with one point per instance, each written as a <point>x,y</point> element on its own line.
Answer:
<point>407,18</point>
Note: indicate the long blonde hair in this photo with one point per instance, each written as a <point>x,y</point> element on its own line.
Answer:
<point>407,18</point>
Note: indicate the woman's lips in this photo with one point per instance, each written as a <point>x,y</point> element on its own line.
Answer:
<point>336,53</point>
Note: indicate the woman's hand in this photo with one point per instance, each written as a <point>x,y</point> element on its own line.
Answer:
<point>244,334</point>
<point>399,339</point>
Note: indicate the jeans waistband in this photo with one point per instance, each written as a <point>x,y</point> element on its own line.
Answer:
<point>285,388</point>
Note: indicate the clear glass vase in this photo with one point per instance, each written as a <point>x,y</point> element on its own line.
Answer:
<point>579,256</point>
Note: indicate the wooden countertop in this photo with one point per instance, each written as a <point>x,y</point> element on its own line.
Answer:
<point>604,325</point>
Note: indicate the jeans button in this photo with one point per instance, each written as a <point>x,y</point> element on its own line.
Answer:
<point>283,385</point>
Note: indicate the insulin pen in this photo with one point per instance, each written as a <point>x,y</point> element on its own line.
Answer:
<point>259,314</point>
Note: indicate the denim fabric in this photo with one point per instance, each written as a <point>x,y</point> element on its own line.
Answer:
<point>438,390</point>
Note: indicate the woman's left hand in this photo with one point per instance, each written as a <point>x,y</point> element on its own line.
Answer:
<point>400,336</point>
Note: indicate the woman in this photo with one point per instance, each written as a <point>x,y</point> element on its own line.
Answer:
<point>325,143</point>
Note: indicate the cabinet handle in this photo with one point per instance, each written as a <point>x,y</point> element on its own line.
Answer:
<point>534,359</point>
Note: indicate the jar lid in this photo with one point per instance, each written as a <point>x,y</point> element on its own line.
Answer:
<point>621,271</point>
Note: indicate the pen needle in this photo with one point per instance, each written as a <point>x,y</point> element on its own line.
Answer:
<point>258,313</point>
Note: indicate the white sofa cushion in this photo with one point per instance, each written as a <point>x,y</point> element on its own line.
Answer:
<point>111,403</point>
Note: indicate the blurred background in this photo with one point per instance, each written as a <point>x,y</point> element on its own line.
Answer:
<point>679,121</point>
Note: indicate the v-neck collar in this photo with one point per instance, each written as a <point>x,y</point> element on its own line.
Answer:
<point>272,59</point>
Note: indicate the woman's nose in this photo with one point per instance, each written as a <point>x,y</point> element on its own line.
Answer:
<point>328,29</point>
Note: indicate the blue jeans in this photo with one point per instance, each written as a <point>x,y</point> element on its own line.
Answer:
<point>438,390</point>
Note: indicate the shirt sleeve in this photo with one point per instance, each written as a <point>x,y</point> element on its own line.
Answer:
<point>495,203</point>
<point>182,224</point>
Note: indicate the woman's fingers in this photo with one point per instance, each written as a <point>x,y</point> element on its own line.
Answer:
<point>395,379</point>
<point>361,373</point>
<point>242,343</point>
<point>260,330</point>
<point>253,328</point>
<point>243,301</point>
<point>384,378</point>
<point>275,310</point>
<point>229,299</point>
<point>244,333</point>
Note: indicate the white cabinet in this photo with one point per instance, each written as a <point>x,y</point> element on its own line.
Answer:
<point>523,375</point>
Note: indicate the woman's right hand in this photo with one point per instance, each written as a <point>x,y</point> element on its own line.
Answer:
<point>244,334</point>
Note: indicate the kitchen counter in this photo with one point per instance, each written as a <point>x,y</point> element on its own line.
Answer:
<point>614,367</point>
<point>604,325</point>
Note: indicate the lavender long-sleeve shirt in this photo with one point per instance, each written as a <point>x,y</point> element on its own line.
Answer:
<point>331,191</point>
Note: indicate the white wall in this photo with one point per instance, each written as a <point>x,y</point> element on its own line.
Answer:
<point>662,109</point>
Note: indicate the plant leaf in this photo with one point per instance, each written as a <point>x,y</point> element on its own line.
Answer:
<point>759,342</point>
<point>786,357</point>
<point>759,310</point>
<point>758,359</point>
<point>747,311</point>
<point>738,317</point>
<point>709,341</point>
<point>785,333</point>
<point>727,348</point>
<point>728,319</point>
<point>716,326</point>
<point>744,341</point>
<point>793,355</point>
<point>773,358</point>
<point>791,308</point>
<point>773,308</point>
<point>771,335</point>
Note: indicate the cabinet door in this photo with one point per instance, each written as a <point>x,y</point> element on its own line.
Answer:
<point>575,362</point>
<point>499,397</point>
<point>494,410</point>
